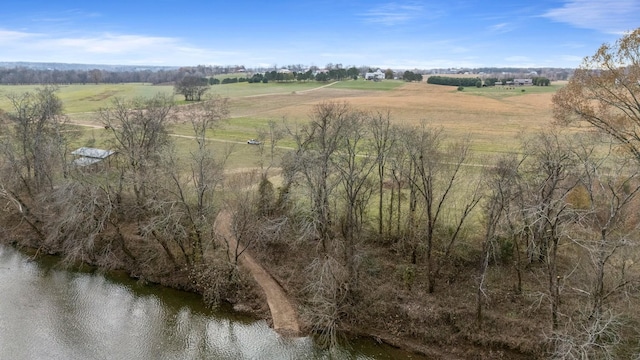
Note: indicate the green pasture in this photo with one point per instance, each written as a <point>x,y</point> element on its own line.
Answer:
<point>91,97</point>
<point>88,97</point>
<point>254,105</point>
<point>362,84</point>
<point>241,154</point>
<point>244,89</point>
<point>501,92</point>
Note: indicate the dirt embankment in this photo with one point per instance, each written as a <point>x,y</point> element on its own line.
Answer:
<point>283,313</point>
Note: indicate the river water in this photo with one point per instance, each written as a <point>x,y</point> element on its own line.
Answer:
<point>50,313</point>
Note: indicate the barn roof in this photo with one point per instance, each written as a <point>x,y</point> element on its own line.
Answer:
<point>88,156</point>
<point>93,153</point>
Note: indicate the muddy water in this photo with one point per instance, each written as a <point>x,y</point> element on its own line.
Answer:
<point>50,313</point>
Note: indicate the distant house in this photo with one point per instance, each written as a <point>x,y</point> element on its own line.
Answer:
<point>88,156</point>
<point>376,76</point>
<point>523,82</point>
<point>320,71</point>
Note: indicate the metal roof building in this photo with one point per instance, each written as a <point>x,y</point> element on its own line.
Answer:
<point>88,156</point>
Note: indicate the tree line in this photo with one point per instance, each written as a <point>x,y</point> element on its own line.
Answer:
<point>453,81</point>
<point>478,82</point>
<point>26,76</point>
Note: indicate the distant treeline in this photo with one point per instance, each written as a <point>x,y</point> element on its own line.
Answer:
<point>453,81</point>
<point>26,76</point>
<point>29,76</point>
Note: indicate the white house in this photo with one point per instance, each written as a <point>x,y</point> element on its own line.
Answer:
<point>377,75</point>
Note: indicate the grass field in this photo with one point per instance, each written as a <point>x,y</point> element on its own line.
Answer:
<point>494,118</point>
<point>89,97</point>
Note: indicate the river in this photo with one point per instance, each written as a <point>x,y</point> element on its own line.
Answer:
<point>47,312</point>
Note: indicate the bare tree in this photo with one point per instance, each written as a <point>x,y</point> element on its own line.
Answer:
<point>33,152</point>
<point>605,201</point>
<point>140,134</point>
<point>596,339</point>
<point>354,169</point>
<point>604,93</point>
<point>328,301</point>
<point>438,171</point>
<point>184,209</point>
<point>269,136</point>
<point>316,145</point>
<point>542,212</point>
<point>192,87</point>
<point>36,124</point>
<point>500,185</point>
<point>384,138</point>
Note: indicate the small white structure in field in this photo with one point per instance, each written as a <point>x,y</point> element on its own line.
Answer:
<point>89,156</point>
<point>377,75</point>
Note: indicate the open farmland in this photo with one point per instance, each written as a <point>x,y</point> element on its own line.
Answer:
<point>494,124</point>
<point>493,117</point>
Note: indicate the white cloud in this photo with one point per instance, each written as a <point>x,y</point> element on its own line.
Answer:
<point>115,44</point>
<point>572,59</point>
<point>613,16</point>
<point>501,28</point>
<point>106,48</point>
<point>10,36</point>
<point>393,13</point>
<point>518,58</point>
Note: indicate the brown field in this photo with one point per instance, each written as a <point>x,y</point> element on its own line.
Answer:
<point>494,118</point>
<point>493,124</point>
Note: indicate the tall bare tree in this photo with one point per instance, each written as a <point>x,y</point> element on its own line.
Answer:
<point>549,175</point>
<point>37,142</point>
<point>500,188</point>
<point>33,152</point>
<point>317,143</point>
<point>604,228</point>
<point>185,208</point>
<point>604,93</point>
<point>139,129</point>
<point>354,167</point>
<point>438,172</point>
<point>384,139</point>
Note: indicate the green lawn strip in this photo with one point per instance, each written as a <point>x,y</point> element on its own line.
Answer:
<point>501,92</point>
<point>385,85</point>
<point>79,98</point>
<point>257,89</point>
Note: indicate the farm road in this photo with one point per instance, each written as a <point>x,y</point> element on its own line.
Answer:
<point>283,313</point>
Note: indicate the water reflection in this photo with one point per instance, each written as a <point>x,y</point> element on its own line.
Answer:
<point>48,313</point>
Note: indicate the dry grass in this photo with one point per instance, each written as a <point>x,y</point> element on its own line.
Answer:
<point>494,118</point>
<point>493,124</point>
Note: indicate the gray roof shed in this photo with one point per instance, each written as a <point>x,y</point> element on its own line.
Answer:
<point>88,156</point>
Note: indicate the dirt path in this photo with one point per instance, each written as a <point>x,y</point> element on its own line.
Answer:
<point>283,313</point>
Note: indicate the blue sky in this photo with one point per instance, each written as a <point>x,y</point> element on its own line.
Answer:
<point>396,34</point>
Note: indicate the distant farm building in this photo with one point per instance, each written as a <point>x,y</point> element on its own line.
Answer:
<point>88,156</point>
<point>523,82</point>
<point>376,76</point>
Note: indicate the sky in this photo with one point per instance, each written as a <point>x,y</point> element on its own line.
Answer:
<point>377,33</point>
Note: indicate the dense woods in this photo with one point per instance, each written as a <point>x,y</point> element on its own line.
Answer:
<point>400,232</point>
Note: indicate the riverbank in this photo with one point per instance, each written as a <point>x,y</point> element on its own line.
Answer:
<point>388,314</point>
<point>52,313</point>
